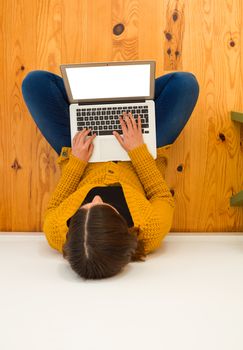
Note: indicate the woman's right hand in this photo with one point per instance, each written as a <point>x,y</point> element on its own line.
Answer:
<point>132,133</point>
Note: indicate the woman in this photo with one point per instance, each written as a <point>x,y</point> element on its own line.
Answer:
<point>103,215</point>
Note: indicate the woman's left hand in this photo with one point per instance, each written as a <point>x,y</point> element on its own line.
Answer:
<point>82,148</point>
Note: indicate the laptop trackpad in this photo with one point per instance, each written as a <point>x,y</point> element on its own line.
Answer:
<point>110,149</point>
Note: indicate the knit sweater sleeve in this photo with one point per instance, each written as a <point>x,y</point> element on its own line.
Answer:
<point>157,226</point>
<point>149,175</point>
<point>160,213</point>
<point>68,182</point>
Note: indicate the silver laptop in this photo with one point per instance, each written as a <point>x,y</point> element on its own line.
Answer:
<point>99,93</point>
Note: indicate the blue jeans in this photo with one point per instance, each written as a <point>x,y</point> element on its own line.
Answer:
<point>44,93</point>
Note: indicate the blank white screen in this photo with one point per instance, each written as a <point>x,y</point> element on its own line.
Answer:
<point>109,81</point>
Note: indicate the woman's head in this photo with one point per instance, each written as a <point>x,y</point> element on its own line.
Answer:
<point>99,243</point>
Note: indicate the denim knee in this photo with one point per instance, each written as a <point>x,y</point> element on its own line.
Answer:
<point>188,81</point>
<point>30,80</point>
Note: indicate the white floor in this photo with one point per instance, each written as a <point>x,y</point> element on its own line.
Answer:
<point>187,295</point>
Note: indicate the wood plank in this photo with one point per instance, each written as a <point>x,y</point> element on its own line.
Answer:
<point>5,157</point>
<point>49,16</point>
<point>19,174</point>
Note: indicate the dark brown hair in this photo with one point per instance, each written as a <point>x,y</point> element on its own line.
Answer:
<point>99,242</point>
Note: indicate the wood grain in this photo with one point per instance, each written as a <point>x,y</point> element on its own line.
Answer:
<point>203,37</point>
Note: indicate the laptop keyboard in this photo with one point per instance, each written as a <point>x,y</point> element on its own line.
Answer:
<point>104,120</point>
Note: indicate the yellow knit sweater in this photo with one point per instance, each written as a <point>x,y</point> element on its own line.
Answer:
<point>148,197</point>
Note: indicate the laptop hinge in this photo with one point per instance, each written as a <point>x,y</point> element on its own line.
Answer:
<point>110,102</point>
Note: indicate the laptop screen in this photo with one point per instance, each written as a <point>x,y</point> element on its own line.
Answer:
<point>118,81</point>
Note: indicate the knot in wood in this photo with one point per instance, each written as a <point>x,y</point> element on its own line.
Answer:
<point>118,29</point>
<point>222,137</point>
<point>16,165</point>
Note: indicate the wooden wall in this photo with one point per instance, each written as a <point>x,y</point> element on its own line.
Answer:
<point>200,36</point>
